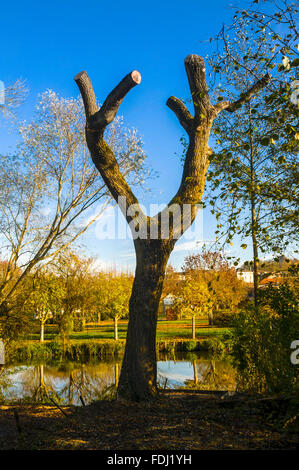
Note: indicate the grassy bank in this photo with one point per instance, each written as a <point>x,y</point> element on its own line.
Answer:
<point>96,341</point>
<point>90,348</point>
<point>166,330</point>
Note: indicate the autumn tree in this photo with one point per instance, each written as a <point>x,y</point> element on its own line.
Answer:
<point>113,293</point>
<point>153,244</point>
<point>46,298</point>
<point>212,269</point>
<point>75,272</point>
<point>253,176</point>
<point>47,190</point>
<point>193,299</point>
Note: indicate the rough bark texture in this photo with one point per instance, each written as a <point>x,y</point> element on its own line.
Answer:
<point>138,378</point>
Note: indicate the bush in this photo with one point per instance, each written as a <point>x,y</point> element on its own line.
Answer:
<point>224,318</point>
<point>261,343</point>
<point>190,345</point>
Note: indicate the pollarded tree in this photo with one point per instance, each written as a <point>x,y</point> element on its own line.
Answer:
<point>153,239</point>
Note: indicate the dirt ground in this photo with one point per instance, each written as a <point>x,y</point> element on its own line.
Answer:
<point>176,421</point>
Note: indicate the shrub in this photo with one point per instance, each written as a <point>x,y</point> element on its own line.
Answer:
<point>190,345</point>
<point>224,318</point>
<point>261,342</point>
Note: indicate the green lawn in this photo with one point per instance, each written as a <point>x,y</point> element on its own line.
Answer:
<point>166,330</point>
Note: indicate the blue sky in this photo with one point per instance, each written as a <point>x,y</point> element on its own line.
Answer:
<point>48,43</point>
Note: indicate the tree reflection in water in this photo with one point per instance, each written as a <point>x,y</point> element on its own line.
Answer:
<point>77,384</point>
<point>212,375</point>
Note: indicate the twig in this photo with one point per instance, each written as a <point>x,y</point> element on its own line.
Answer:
<point>82,401</point>
<point>56,404</point>
<point>165,383</point>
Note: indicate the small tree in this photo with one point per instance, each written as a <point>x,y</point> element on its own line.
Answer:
<point>193,299</point>
<point>46,297</point>
<point>114,295</point>
<point>226,291</point>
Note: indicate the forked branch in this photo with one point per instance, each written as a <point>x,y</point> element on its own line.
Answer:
<point>99,119</point>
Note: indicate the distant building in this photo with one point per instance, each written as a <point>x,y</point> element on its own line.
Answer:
<point>246,276</point>
<point>168,310</point>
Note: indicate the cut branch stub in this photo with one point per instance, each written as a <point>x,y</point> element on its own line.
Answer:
<point>89,100</point>
<point>113,101</point>
<point>196,73</point>
<point>100,119</point>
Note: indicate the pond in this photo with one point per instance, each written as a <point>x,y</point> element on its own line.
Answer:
<point>74,383</point>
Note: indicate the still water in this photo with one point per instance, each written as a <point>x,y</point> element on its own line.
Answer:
<point>74,383</point>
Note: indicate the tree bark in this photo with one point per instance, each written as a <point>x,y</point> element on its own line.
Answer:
<point>138,378</point>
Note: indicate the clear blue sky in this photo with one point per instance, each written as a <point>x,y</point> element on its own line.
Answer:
<point>48,43</point>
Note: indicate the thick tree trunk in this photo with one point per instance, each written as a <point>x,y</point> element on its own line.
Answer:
<point>138,378</point>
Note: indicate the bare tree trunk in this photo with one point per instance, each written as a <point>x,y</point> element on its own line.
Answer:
<point>195,372</point>
<point>42,332</point>
<point>138,378</point>
<point>253,220</point>
<point>255,255</point>
<point>193,327</point>
<point>116,374</point>
<point>115,328</point>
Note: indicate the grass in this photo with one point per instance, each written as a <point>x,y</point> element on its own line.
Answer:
<point>97,340</point>
<point>166,330</point>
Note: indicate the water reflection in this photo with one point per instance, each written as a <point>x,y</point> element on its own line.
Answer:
<point>77,384</point>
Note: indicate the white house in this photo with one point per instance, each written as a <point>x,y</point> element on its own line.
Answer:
<point>246,276</point>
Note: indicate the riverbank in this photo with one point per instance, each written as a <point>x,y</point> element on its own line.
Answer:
<point>177,420</point>
<point>81,350</point>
